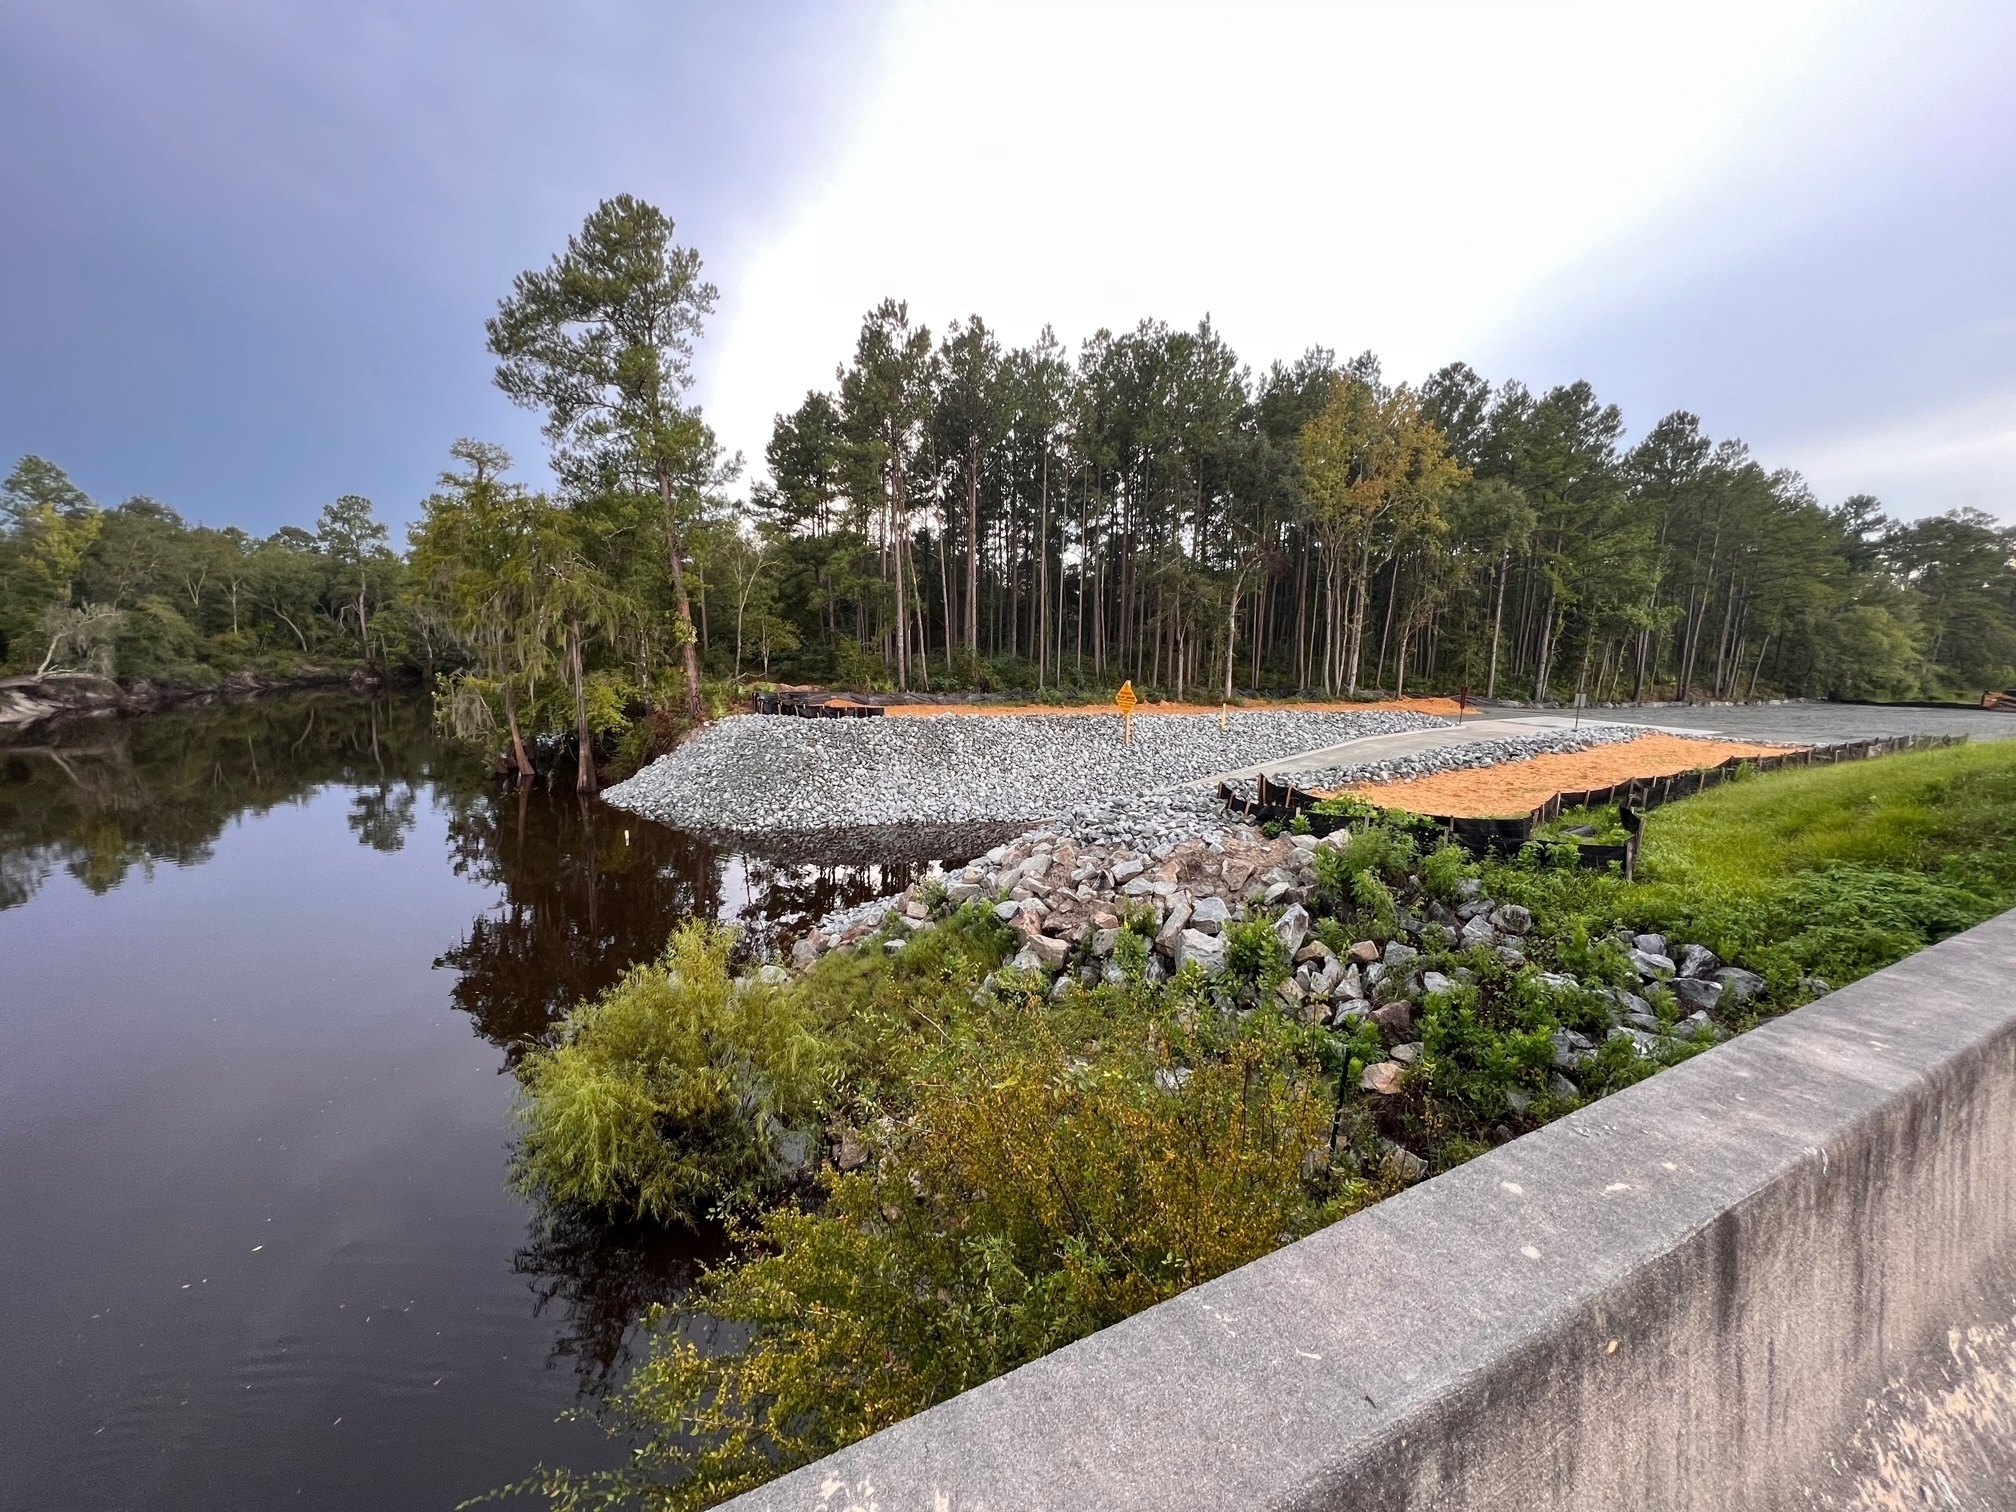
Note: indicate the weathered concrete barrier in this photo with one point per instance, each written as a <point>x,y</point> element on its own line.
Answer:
<point>1683,1296</point>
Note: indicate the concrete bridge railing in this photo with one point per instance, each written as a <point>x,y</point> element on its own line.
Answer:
<point>1688,1295</point>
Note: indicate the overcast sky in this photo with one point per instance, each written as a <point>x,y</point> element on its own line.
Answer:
<point>248,246</point>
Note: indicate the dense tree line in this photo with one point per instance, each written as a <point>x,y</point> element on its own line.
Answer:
<point>137,592</point>
<point>1153,510</point>
<point>957,512</point>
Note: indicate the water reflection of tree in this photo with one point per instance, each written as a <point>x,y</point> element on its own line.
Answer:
<point>586,892</point>
<point>102,798</point>
<point>584,895</point>
<point>381,816</point>
<point>604,1278</point>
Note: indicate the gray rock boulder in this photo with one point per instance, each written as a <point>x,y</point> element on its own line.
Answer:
<point>1292,928</point>
<point>1651,944</point>
<point>1649,964</point>
<point>1395,1020</point>
<point>1206,951</point>
<point>1644,1042</point>
<point>1571,1049</point>
<point>1405,1163</point>
<point>1738,985</point>
<point>1697,961</point>
<point>1209,916</point>
<point>1695,995</point>
<point>1512,918</point>
<point>1629,1002</point>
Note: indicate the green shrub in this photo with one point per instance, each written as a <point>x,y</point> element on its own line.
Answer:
<point>1253,953</point>
<point>1443,872</point>
<point>667,1096</point>
<point>1043,1188</point>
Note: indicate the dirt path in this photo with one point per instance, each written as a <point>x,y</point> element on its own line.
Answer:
<point>1515,787</point>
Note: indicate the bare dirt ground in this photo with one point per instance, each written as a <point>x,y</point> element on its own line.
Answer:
<point>1515,787</point>
<point>1446,707</point>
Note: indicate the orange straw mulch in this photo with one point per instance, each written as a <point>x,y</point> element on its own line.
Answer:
<point>1443,706</point>
<point>1517,787</point>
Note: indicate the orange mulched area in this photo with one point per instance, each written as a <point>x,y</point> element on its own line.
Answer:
<point>1516,787</point>
<point>1443,706</point>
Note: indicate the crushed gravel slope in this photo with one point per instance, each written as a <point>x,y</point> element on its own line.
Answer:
<point>775,773</point>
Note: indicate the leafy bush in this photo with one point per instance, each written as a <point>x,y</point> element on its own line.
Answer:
<point>1044,1187</point>
<point>1443,872</point>
<point>667,1096</point>
<point>1253,953</point>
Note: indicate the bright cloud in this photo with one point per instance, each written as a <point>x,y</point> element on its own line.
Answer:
<point>1393,176</point>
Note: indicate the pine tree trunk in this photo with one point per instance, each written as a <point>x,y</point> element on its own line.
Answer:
<point>1041,629</point>
<point>973,545</point>
<point>1497,625</point>
<point>1546,650</point>
<point>688,642</point>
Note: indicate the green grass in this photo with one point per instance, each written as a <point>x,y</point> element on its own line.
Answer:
<point>1949,812</point>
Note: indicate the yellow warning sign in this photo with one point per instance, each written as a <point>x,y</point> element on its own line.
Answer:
<point>1126,699</point>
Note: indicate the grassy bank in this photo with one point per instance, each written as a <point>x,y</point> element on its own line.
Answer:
<point>937,1170</point>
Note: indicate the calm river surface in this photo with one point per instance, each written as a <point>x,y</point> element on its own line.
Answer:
<point>262,972</point>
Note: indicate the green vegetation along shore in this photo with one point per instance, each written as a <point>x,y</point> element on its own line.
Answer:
<point>934,1168</point>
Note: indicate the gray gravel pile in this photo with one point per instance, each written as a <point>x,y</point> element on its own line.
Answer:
<point>757,772</point>
<point>1459,758</point>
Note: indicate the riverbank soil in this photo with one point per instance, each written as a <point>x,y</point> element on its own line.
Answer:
<point>1515,787</point>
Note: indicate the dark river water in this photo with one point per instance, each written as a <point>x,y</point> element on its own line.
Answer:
<point>262,974</point>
